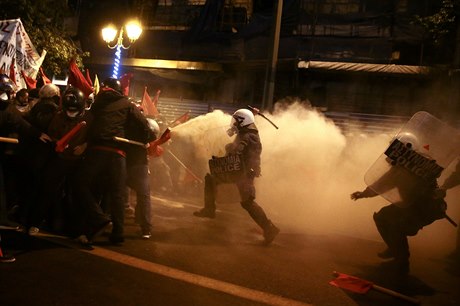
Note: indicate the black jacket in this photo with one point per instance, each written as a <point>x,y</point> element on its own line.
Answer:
<point>11,121</point>
<point>115,116</point>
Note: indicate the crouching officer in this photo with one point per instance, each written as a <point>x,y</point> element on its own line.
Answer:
<point>416,200</point>
<point>246,148</point>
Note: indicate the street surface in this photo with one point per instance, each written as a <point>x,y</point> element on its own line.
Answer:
<point>193,261</point>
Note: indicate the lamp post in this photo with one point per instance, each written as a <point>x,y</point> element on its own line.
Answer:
<point>132,29</point>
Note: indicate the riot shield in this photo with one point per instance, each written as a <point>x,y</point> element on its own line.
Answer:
<point>227,169</point>
<point>416,156</point>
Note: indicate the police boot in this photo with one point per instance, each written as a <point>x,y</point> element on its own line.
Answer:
<point>209,210</point>
<point>270,232</point>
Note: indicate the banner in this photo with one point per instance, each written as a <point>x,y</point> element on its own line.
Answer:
<point>17,53</point>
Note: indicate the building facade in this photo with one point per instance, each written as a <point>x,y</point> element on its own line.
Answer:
<point>370,56</point>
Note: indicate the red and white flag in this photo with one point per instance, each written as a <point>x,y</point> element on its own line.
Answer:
<point>13,72</point>
<point>30,82</point>
<point>19,53</point>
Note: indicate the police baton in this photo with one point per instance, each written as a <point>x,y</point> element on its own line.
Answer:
<point>450,220</point>
<point>257,111</point>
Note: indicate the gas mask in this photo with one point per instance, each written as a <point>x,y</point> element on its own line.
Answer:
<point>232,131</point>
<point>72,113</point>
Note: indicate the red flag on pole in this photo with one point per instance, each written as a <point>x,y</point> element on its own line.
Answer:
<point>12,72</point>
<point>30,82</point>
<point>88,78</point>
<point>63,143</point>
<point>362,286</point>
<point>181,119</point>
<point>45,79</point>
<point>148,106</point>
<point>77,79</point>
<point>154,148</point>
<point>155,99</point>
<point>351,283</point>
<point>125,81</point>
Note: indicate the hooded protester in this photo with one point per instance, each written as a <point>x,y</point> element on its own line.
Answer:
<point>58,175</point>
<point>11,121</point>
<point>113,116</point>
<point>36,154</point>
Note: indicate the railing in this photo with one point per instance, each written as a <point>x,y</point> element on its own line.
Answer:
<point>354,123</point>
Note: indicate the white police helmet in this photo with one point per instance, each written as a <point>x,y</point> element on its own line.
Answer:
<point>242,117</point>
<point>154,126</point>
<point>409,140</point>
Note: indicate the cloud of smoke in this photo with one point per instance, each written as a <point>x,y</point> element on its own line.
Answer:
<point>309,170</point>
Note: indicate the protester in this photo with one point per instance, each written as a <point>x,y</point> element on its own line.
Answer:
<point>114,115</point>
<point>36,154</point>
<point>33,97</point>
<point>137,164</point>
<point>11,121</point>
<point>21,101</point>
<point>58,175</point>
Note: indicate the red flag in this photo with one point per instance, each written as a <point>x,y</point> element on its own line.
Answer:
<point>30,82</point>
<point>157,96</point>
<point>88,78</point>
<point>351,283</point>
<point>12,72</point>
<point>45,79</point>
<point>154,149</point>
<point>148,106</point>
<point>77,79</point>
<point>125,81</point>
<point>181,119</point>
<point>362,286</point>
<point>63,143</point>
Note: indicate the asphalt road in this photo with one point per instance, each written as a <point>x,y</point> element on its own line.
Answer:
<point>193,261</point>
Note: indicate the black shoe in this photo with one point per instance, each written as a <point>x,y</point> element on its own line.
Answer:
<point>116,239</point>
<point>146,234</point>
<point>99,230</point>
<point>270,233</point>
<point>84,242</point>
<point>400,266</point>
<point>7,258</point>
<point>387,254</point>
<point>205,213</point>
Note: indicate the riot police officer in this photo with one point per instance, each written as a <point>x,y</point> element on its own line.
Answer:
<point>246,145</point>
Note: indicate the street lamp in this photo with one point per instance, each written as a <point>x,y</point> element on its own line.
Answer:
<point>133,30</point>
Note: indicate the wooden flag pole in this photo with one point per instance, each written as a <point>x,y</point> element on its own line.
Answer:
<point>9,140</point>
<point>378,288</point>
